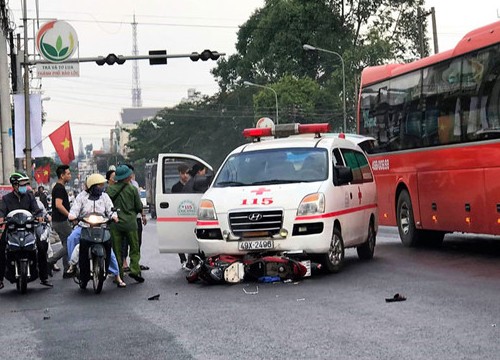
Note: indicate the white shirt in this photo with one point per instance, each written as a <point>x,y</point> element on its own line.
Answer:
<point>82,207</point>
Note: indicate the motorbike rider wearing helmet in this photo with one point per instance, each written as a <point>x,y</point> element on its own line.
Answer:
<point>93,200</point>
<point>20,198</point>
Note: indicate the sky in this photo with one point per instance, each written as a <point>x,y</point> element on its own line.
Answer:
<point>93,101</point>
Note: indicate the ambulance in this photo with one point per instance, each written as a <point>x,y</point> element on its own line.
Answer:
<point>292,189</point>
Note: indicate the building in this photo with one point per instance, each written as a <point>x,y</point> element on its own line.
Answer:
<point>130,117</point>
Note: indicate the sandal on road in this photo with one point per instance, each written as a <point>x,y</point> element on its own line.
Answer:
<point>144,267</point>
<point>121,284</point>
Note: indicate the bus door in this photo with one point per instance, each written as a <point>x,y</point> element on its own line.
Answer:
<point>176,212</point>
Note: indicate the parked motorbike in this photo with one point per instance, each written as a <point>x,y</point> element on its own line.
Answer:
<point>22,230</point>
<point>97,234</point>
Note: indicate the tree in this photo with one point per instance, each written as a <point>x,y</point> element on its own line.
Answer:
<point>299,100</point>
<point>363,32</point>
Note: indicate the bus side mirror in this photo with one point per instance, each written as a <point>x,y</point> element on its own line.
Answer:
<point>342,175</point>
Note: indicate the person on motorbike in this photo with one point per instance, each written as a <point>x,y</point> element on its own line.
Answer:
<point>20,198</point>
<point>93,200</point>
<point>73,247</point>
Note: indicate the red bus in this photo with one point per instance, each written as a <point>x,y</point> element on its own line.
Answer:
<point>436,122</point>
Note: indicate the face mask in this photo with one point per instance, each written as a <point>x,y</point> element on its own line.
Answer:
<point>95,192</point>
<point>23,189</point>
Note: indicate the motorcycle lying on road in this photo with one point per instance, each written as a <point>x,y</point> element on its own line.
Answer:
<point>96,235</point>
<point>22,230</point>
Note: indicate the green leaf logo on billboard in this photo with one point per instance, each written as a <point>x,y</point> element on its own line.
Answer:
<point>56,41</point>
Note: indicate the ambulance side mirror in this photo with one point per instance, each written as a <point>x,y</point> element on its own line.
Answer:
<point>342,175</point>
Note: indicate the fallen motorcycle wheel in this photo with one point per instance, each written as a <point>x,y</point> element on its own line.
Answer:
<point>22,280</point>
<point>98,275</point>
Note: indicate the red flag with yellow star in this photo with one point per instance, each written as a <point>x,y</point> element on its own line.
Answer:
<point>42,174</point>
<point>63,143</point>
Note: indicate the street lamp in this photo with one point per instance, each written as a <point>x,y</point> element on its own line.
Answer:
<point>248,83</point>
<point>313,48</point>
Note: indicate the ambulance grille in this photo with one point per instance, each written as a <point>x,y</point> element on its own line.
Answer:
<point>256,223</point>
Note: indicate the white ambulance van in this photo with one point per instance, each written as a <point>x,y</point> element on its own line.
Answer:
<point>290,190</point>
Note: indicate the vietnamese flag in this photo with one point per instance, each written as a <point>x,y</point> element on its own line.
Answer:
<point>39,175</point>
<point>63,143</point>
<point>46,174</point>
<point>42,174</point>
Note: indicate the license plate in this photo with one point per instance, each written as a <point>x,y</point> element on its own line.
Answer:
<point>256,245</point>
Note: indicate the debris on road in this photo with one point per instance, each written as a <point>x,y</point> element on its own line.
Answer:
<point>233,269</point>
<point>396,297</point>
<point>154,297</point>
<point>251,292</point>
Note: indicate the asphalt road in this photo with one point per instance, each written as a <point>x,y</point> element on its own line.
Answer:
<point>452,311</point>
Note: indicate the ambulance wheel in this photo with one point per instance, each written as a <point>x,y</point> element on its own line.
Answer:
<point>366,250</point>
<point>409,234</point>
<point>334,258</point>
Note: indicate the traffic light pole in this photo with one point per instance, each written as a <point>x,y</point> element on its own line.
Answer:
<point>118,57</point>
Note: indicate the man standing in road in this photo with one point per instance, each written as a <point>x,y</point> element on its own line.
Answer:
<point>60,211</point>
<point>184,177</point>
<point>126,198</point>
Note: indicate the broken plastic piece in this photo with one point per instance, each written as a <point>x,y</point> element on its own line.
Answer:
<point>154,297</point>
<point>269,279</point>
<point>251,292</point>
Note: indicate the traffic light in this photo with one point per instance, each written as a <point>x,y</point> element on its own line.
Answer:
<point>205,55</point>
<point>110,60</point>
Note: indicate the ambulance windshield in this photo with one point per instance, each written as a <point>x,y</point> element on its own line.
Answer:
<point>274,166</point>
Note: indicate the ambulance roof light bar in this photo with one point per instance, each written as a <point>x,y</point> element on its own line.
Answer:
<point>284,130</point>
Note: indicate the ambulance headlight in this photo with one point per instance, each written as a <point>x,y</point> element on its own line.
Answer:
<point>206,210</point>
<point>312,204</point>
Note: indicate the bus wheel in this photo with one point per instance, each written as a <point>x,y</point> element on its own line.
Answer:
<point>406,223</point>
<point>366,250</point>
<point>334,258</point>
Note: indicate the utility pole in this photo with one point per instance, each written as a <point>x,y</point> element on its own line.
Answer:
<point>434,30</point>
<point>136,88</point>
<point>420,18</point>
<point>6,143</point>
<point>27,123</point>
